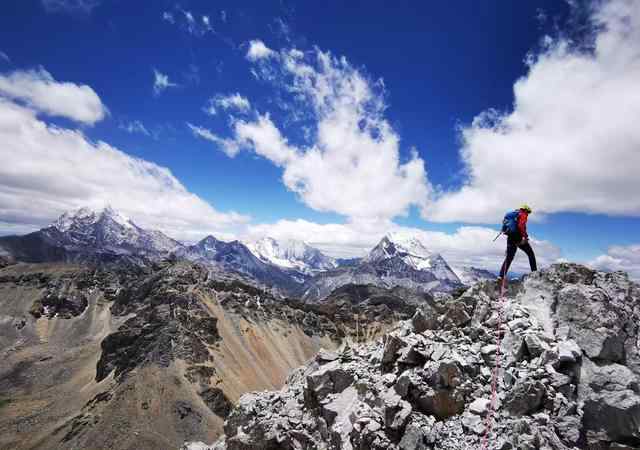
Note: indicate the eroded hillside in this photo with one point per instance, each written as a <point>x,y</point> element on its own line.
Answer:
<point>127,357</point>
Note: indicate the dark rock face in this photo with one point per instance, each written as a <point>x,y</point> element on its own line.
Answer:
<point>570,376</point>
<point>217,401</point>
<point>169,323</point>
<point>54,304</point>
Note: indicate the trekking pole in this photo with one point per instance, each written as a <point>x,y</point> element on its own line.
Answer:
<point>499,234</point>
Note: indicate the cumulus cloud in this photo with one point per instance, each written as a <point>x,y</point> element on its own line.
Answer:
<point>467,246</point>
<point>352,166</point>
<point>234,102</point>
<point>161,82</point>
<point>38,90</point>
<point>258,50</point>
<point>70,6</point>
<point>619,257</point>
<point>55,169</point>
<point>571,141</point>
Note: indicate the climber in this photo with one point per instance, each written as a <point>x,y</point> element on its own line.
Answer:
<point>514,226</point>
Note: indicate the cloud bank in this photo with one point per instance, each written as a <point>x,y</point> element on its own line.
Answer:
<point>55,169</point>
<point>38,90</point>
<point>619,257</point>
<point>467,246</point>
<point>571,142</point>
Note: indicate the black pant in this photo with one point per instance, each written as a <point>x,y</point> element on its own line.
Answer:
<point>514,242</point>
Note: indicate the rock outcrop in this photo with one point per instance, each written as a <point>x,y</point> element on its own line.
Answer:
<point>568,377</point>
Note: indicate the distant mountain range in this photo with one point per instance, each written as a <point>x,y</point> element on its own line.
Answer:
<point>397,260</point>
<point>290,267</point>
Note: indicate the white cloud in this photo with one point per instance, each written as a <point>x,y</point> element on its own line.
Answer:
<point>188,21</point>
<point>166,15</point>
<point>257,50</point>
<point>38,90</point>
<point>353,165</point>
<point>135,126</point>
<point>235,102</point>
<point>467,246</point>
<point>161,82</point>
<point>229,146</point>
<point>619,257</point>
<point>70,6</point>
<point>55,169</point>
<point>4,57</point>
<point>207,23</point>
<point>572,140</point>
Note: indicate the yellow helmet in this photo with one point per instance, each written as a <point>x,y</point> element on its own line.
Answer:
<point>526,208</point>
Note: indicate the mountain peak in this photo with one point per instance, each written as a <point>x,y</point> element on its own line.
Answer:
<point>291,254</point>
<point>107,230</point>
<point>109,213</point>
<point>404,245</point>
<point>86,216</point>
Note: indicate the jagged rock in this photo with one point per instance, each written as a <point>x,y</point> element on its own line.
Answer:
<point>480,406</point>
<point>424,319</point>
<point>326,356</point>
<point>392,348</point>
<point>330,378</point>
<point>418,433</point>
<point>525,397</point>
<point>568,351</point>
<point>535,345</point>
<point>217,402</point>
<point>574,384</point>
<point>396,411</point>
<point>611,401</point>
<point>456,314</point>
<point>441,403</point>
<point>473,423</point>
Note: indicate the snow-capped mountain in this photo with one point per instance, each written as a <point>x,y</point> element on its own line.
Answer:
<point>86,234</point>
<point>291,254</point>
<point>397,260</point>
<point>236,257</point>
<point>110,230</point>
<point>470,275</point>
<point>413,253</point>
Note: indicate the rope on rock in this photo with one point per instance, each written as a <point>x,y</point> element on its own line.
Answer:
<point>496,370</point>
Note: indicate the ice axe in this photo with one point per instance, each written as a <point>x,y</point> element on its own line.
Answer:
<point>499,234</point>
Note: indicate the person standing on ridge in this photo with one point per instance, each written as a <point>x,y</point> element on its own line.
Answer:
<point>514,226</point>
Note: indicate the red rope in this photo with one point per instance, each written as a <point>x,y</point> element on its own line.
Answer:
<point>496,371</point>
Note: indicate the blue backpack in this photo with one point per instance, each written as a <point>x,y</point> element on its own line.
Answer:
<point>510,222</point>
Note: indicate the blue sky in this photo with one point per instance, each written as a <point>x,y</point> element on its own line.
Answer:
<point>441,65</point>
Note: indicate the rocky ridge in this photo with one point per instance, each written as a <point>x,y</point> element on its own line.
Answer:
<point>130,356</point>
<point>569,377</point>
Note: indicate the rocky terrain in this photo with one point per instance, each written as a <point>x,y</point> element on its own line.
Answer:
<point>568,376</point>
<point>124,356</point>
